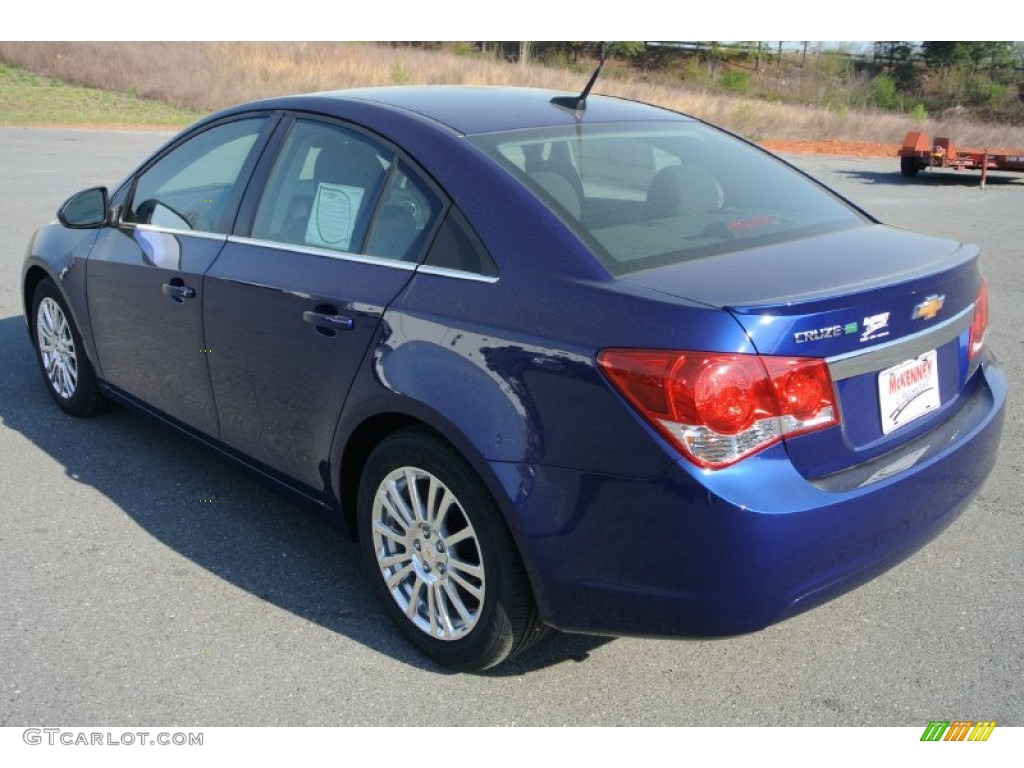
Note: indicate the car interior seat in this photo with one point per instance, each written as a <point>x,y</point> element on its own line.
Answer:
<point>683,189</point>
<point>556,175</point>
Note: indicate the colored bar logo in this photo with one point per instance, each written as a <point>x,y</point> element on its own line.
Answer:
<point>958,730</point>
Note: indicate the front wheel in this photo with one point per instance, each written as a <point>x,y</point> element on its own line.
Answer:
<point>440,555</point>
<point>69,375</point>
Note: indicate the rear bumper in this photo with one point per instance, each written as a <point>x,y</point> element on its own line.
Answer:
<point>694,552</point>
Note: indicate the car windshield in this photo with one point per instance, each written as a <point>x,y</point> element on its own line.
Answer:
<point>648,195</point>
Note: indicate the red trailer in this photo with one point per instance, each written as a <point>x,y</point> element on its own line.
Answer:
<point>918,152</point>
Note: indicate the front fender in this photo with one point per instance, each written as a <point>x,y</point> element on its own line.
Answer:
<point>61,254</point>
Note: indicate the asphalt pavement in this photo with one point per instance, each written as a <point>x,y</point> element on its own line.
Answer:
<point>128,598</point>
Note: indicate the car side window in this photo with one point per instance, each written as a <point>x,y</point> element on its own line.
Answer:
<point>323,189</point>
<point>458,247</point>
<point>190,188</point>
<point>406,216</point>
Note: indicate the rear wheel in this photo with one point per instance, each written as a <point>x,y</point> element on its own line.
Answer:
<point>909,166</point>
<point>69,375</point>
<point>440,555</point>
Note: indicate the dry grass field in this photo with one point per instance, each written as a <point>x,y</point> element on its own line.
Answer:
<point>206,76</point>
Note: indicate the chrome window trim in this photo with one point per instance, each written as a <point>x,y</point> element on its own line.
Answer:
<point>409,266</point>
<point>174,231</point>
<point>325,252</point>
<point>883,356</point>
<point>458,274</point>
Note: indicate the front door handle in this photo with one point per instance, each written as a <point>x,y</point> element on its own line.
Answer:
<point>178,291</point>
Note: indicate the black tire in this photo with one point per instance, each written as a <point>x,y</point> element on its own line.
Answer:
<point>67,371</point>
<point>909,166</point>
<point>458,589</point>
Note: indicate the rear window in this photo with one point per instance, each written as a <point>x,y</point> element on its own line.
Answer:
<point>645,196</point>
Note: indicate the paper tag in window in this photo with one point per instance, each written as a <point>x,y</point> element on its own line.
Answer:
<point>333,216</point>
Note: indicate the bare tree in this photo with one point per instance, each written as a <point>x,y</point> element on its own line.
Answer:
<point>524,52</point>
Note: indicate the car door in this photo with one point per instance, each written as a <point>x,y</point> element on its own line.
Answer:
<point>145,273</point>
<point>330,233</point>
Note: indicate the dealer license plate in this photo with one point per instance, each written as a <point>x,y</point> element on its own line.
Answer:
<point>908,391</point>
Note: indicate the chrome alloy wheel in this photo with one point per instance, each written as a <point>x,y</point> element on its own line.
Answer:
<point>57,348</point>
<point>428,553</point>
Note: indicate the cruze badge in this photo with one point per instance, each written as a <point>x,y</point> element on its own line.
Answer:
<point>818,334</point>
<point>928,308</point>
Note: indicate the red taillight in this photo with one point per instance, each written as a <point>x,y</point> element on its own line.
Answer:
<point>728,393</point>
<point>980,323</point>
<point>719,408</point>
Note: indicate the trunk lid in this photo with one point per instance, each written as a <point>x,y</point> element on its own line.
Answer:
<point>890,310</point>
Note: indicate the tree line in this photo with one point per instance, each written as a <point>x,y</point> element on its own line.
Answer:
<point>984,78</point>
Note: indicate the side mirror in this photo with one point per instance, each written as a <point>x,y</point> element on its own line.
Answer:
<point>85,210</point>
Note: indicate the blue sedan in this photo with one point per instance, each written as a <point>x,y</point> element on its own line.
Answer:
<point>591,365</point>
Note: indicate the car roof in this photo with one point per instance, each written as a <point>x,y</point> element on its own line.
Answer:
<point>483,109</point>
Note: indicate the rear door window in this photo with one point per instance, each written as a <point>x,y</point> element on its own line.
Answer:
<point>324,188</point>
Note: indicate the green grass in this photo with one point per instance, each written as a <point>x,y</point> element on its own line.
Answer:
<point>27,99</point>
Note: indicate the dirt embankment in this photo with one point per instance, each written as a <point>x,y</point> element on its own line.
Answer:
<point>831,147</point>
<point>861,148</point>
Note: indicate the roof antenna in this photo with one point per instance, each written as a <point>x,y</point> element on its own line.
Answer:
<point>579,103</point>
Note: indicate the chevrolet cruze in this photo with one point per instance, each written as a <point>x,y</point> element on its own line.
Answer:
<point>585,364</point>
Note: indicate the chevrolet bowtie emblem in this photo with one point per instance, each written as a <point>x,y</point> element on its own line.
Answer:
<point>929,308</point>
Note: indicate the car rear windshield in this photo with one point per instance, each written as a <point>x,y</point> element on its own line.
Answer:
<point>648,195</point>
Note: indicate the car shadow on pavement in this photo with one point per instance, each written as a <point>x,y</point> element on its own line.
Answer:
<point>221,518</point>
<point>934,178</point>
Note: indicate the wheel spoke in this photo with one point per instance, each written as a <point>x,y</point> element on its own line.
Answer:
<point>455,538</point>
<point>47,317</point>
<point>398,505</point>
<point>455,600</point>
<point>44,328</point>
<point>70,375</point>
<point>393,512</point>
<point>387,561</point>
<point>444,619</point>
<point>398,576</point>
<point>412,610</point>
<point>62,376</point>
<point>470,570</point>
<point>387,533</point>
<point>432,612</point>
<point>435,485</point>
<point>446,503</point>
<point>419,514</point>
<point>475,591</point>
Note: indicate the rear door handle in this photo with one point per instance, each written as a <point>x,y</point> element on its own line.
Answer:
<point>327,324</point>
<point>177,291</point>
